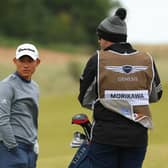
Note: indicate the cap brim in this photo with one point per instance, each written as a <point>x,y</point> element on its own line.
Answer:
<point>28,53</point>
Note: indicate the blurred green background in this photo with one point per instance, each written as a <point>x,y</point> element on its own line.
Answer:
<point>66,38</point>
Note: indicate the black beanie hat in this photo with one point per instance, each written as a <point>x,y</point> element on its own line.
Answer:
<point>114,28</point>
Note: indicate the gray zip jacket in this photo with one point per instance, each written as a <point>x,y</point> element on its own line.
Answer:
<point>18,111</point>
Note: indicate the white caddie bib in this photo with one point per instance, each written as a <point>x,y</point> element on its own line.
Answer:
<point>133,97</point>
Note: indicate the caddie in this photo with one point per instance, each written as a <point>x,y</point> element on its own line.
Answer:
<point>118,84</point>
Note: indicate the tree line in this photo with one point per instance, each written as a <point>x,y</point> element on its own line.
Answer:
<point>53,21</point>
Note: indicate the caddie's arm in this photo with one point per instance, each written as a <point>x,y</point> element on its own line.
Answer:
<point>87,93</point>
<point>157,91</point>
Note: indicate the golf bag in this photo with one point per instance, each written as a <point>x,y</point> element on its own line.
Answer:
<point>81,141</point>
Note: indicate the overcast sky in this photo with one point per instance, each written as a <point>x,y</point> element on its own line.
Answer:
<point>147,20</point>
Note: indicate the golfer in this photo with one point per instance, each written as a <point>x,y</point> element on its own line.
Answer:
<point>19,96</point>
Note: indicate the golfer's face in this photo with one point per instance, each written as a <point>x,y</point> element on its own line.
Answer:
<point>26,66</point>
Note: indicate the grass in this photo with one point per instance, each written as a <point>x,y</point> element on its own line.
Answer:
<point>55,130</point>
<point>156,156</point>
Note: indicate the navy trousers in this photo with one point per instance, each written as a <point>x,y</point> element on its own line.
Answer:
<point>22,156</point>
<point>108,156</point>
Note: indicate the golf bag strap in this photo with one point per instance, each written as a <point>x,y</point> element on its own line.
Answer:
<point>80,159</point>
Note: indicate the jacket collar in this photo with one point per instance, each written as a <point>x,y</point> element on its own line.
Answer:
<point>121,48</point>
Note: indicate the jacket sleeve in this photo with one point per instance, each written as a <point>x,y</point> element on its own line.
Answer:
<point>156,92</point>
<point>88,87</point>
<point>6,132</point>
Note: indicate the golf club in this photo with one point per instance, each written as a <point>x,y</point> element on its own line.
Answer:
<point>83,121</point>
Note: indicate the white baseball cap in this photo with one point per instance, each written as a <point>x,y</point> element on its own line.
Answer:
<point>27,49</point>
